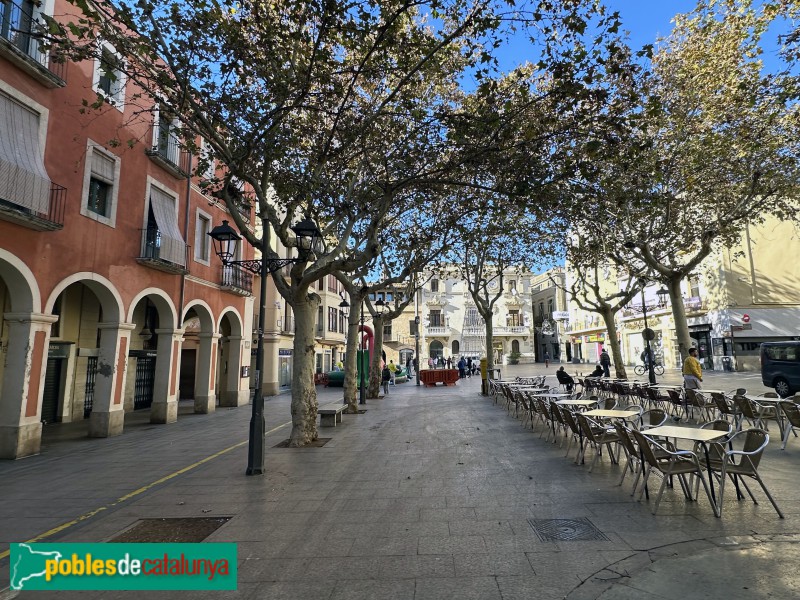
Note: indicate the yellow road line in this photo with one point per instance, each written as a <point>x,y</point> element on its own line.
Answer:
<point>134,493</point>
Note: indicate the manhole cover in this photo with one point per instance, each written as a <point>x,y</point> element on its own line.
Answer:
<point>318,443</point>
<point>566,530</point>
<point>182,530</point>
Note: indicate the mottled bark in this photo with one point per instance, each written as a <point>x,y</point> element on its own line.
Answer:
<point>350,385</point>
<point>679,316</point>
<point>489,342</point>
<point>374,389</point>
<point>613,340</point>
<point>304,393</point>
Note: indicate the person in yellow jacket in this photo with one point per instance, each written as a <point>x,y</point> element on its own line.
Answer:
<point>692,371</point>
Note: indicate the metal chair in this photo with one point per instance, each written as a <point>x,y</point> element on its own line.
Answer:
<point>655,417</point>
<point>574,429</point>
<point>725,407</point>
<point>757,414</point>
<point>792,413</point>
<point>753,442</point>
<point>598,436</point>
<point>628,445</point>
<point>670,463</point>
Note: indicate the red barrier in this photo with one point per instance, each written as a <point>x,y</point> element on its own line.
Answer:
<point>430,377</point>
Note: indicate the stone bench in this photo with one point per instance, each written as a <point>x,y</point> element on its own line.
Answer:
<point>331,414</point>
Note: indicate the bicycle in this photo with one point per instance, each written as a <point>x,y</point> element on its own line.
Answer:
<point>642,369</point>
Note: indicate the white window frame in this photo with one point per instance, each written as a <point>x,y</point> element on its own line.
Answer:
<point>211,171</point>
<point>173,124</point>
<point>111,219</point>
<point>202,215</point>
<point>117,97</point>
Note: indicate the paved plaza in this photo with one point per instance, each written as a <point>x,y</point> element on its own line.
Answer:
<point>430,494</point>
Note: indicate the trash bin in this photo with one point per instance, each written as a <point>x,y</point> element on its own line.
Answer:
<point>727,363</point>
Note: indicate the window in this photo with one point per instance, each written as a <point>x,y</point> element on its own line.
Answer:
<point>202,248</point>
<point>319,319</point>
<point>109,79</point>
<point>512,286</point>
<point>207,163</point>
<point>387,331</point>
<point>456,347</point>
<point>24,181</point>
<point>541,309</point>
<point>342,322</point>
<point>164,239</point>
<point>550,308</point>
<point>434,285</point>
<point>333,318</point>
<point>513,318</point>
<point>515,346</point>
<point>166,142</point>
<point>694,287</point>
<point>100,183</point>
<point>436,318</point>
<point>332,283</point>
<point>16,22</point>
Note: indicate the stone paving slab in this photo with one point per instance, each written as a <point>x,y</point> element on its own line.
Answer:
<point>427,495</point>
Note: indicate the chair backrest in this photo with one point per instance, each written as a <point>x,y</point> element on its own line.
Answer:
<point>652,393</point>
<point>555,410</point>
<point>653,417</point>
<point>567,417</point>
<point>674,397</point>
<point>745,406</point>
<point>543,408</point>
<point>646,448</point>
<point>792,412</point>
<point>691,398</point>
<point>771,395</point>
<point>718,425</point>
<point>722,403</point>
<point>635,407</point>
<point>610,403</point>
<point>625,437</point>
<point>753,442</point>
<point>586,426</point>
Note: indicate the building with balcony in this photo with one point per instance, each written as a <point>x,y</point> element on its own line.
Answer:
<point>111,300</point>
<point>738,298</point>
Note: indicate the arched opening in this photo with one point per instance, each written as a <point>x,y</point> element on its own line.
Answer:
<point>23,350</point>
<point>456,347</point>
<point>515,346</point>
<point>154,358</point>
<point>436,350</point>
<point>198,359</point>
<point>233,383</point>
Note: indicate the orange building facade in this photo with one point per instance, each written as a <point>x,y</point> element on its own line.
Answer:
<point>111,297</point>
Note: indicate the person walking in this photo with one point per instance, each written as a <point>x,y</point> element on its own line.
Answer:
<point>546,359</point>
<point>409,362</point>
<point>449,363</point>
<point>392,371</point>
<point>462,365</point>
<point>386,377</point>
<point>692,371</point>
<point>605,362</point>
<point>469,367</point>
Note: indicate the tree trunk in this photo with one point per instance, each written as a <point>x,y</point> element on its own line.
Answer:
<point>489,349</point>
<point>350,384</point>
<point>613,341</point>
<point>304,393</point>
<point>679,316</point>
<point>374,389</point>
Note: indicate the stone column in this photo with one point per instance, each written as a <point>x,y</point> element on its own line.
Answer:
<point>23,383</point>
<point>231,393</point>
<point>108,410</point>
<point>168,368</point>
<point>205,400</point>
<point>272,384</point>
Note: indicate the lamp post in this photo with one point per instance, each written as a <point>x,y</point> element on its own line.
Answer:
<point>416,347</point>
<point>309,239</point>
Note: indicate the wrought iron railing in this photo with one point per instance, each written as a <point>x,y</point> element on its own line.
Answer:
<point>19,26</point>
<point>234,276</point>
<point>52,219</point>
<point>167,149</point>
<point>151,248</point>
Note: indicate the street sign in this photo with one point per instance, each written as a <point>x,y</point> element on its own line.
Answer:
<point>737,327</point>
<point>745,318</point>
<point>561,315</point>
<point>747,326</point>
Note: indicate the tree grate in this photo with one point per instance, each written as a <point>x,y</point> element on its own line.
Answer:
<point>566,530</point>
<point>178,530</point>
<point>317,443</point>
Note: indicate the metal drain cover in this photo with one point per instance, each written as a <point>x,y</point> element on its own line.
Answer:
<point>566,530</point>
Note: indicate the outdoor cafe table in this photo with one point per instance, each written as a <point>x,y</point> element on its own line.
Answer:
<point>611,414</point>
<point>693,434</point>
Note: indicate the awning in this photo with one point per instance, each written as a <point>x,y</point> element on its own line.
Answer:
<point>23,178</point>
<point>172,247</point>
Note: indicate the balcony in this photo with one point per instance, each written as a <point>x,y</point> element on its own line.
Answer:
<point>52,220</point>
<point>237,280</point>
<point>170,155</point>
<point>437,330</point>
<point>473,330</point>
<point>18,44</point>
<point>511,330</point>
<point>153,256</point>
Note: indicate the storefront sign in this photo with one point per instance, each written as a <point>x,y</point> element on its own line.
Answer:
<point>284,352</point>
<point>597,337</point>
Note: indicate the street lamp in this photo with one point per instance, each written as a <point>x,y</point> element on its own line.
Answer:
<point>309,239</point>
<point>648,335</point>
